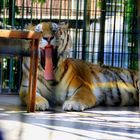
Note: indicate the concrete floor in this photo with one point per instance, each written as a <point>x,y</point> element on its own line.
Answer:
<point>100,123</point>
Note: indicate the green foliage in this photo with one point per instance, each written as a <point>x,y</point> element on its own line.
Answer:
<point>130,17</point>
<point>132,39</point>
<point>129,12</point>
<point>99,4</point>
<point>39,1</point>
<point>3,4</point>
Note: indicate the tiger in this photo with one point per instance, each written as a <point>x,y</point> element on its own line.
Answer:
<point>78,85</point>
<point>44,88</point>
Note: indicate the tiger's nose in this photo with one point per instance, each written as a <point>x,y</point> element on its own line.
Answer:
<point>48,39</point>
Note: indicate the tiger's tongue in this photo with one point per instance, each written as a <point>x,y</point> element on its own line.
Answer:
<point>48,74</point>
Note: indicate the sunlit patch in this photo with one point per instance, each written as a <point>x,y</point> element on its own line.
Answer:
<point>14,111</point>
<point>2,109</point>
<point>99,123</point>
<point>3,114</point>
<point>91,134</point>
<point>117,111</point>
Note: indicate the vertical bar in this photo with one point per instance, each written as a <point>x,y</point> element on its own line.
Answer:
<point>0,75</point>
<point>109,61</point>
<point>133,36</point>
<point>31,11</point>
<point>60,11</point>
<point>94,31</point>
<point>120,34</point>
<point>33,75</point>
<point>76,32</point>
<point>129,23</point>
<point>11,12</point>
<point>102,32</point>
<point>138,21</point>
<point>19,72</point>
<point>4,14</point>
<point>22,14</point>
<point>68,9</point>
<point>86,26</point>
<point>34,86</point>
<point>50,9</point>
<point>114,28</point>
<point>88,16</point>
<point>123,36</point>
<point>36,12</point>
<point>11,75</point>
<point>30,107</point>
<point>41,6</point>
<point>84,32</point>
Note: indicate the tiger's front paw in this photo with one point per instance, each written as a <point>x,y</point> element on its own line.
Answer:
<point>71,105</point>
<point>41,104</point>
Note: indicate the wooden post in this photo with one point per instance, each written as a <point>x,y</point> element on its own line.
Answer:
<point>33,76</point>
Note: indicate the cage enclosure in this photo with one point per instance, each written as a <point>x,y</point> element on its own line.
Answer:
<point>103,31</point>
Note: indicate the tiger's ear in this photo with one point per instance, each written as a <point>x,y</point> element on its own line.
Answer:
<point>38,28</point>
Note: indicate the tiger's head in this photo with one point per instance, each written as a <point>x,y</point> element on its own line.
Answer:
<point>55,35</point>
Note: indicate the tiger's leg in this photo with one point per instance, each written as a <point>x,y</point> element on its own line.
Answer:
<point>40,103</point>
<point>81,100</point>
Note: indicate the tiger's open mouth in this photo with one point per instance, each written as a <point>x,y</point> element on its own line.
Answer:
<point>54,57</point>
<point>49,61</point>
